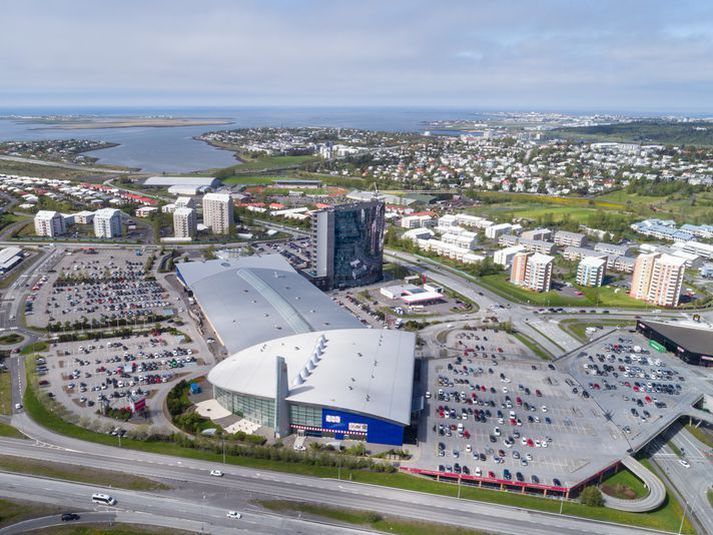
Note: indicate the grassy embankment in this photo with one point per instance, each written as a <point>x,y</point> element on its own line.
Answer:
<point>5,393</point>
<point>13,511</point>
<point>367,519</point>
<point>625,485</point>
<point>597,297</point>
<point>9,431</point>
<point>533,346</point>
<point>656,520</point>
<point>700,434</point>
<point>80,474</point>
<point>577,327</point>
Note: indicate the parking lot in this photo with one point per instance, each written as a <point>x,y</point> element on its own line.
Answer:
<point>485,343</point>
<point>642,389</point>
<point>507,420</point>
<point>83,376</point>
<point>97,288</point>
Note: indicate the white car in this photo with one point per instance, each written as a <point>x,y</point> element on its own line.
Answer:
<point>216,473</point>
<point>684,463</point>
<point>496,431</point>
<point>234,514</point>
<point>544,408</point>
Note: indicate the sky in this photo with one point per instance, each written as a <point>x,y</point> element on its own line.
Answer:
<point>600,55</point>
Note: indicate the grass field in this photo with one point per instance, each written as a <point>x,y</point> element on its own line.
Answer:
<point>578,327</point>
<point>9,431</point>
<point>114,529</point>
<point>694,208</point>
<point>270,162</point>
<point>375,521</point>
<point>599,297</point>
<point>624,485</point>
<point>5,393</point>
<point>249,180</point>
<point>35,347</point>
<point>533,346</point>
<point>80,474</point>
<point>13,511</point>
<point>701,435</point>
<point>11,339</point>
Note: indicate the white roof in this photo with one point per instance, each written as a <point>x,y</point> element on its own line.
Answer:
<point>223,197</point>
<point>46,214</point>
<point>594,261</point>
<point>257,298</point>
<point>367,371</point>
<point>196,181</point>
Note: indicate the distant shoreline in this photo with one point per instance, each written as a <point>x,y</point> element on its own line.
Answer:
<point>93,123</point>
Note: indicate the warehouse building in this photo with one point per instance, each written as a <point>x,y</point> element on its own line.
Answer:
<point>691,343</point>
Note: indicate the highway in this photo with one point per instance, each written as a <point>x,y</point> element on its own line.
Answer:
<point>204,515</point>
<point>240,481</point>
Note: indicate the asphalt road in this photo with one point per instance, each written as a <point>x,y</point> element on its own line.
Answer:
<point>240,481</point>
<point>693,483</point>
<point>163,510</point>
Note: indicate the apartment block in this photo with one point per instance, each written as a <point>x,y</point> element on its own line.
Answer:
<point>537,234</point>
<point>538,272</point>
<point>505,257</point>
<point>494,231</point>
<point>591,271</point>
<point>218,212</point>
<point>416,221</point>
<point>565,238</point>
<point>185,223</point>
<point>107,223</point>
<point>658,279</point>
<point>49,223</point>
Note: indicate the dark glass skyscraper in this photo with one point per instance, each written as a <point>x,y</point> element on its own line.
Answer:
<point>348,245</point>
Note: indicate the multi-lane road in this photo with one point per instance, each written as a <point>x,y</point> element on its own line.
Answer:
<point>241,485</point>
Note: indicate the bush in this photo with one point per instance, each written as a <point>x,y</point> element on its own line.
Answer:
<point>592,496</point>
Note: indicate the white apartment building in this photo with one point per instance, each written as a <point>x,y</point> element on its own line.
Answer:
<point>185,202</point>
<point>538,272</point>
<point>185,223</point>
<point>451,251</point>
<point>49,223</point>
<point>218,212</point>
<point>504,257</point>
<point>465,240</point>
<point>591,271</point>
<point>107,223</point>
<point>416,221</point>
<point>537,234</point>
<point>494,231</point>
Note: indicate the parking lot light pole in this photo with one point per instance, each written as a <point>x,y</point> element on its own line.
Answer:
<point>459,480</point>
<point>561,503</point>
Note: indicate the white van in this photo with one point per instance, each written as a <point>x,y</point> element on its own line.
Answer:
<point>103,499</point>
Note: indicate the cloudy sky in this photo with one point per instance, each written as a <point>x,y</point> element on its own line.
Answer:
<point>546,54</point>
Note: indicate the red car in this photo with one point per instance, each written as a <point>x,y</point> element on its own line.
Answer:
<point>518,400</point>
<point>538,393</point>
<point>466,434</point>
<point>647,399</point>
<point>530,443</point>
<point>491,474</point>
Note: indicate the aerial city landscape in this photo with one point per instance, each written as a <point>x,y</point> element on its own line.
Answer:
<point>469,292</point>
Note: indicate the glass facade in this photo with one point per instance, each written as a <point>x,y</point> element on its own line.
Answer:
<point>358,244</point>
<point>254,409</point>
<point>308,415</point>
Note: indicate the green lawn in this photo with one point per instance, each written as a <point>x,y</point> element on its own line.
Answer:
<point>81,474</point>
<point>250,180</point>
<point>5,393</point>
<point>536,348</point>
<point>13,511</point>
<point>577,327</point>
<point>624,484</point>
<point>7,430</point>
<point>10,339</point>
<point>114,529</point>
<point>700,434</point>
<point>601,297</point>
<point>375,521</point>
<point>35,347</point>
<point>271,162</point>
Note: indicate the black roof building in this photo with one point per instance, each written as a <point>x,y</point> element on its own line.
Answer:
<point>691,344</point>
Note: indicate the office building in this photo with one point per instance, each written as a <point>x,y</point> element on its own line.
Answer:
<point>49,223</point>
<point>218,212</point>
<point>591,271</point>
<point>185,223</point>
<point>348,244</point>
<point>107,223</point>
<point>658,279</point>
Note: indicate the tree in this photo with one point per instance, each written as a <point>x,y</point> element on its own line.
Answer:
<point>592,496</point>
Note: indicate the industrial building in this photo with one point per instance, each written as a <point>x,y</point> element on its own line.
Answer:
<point>348,245</point>
<point>691,343</point>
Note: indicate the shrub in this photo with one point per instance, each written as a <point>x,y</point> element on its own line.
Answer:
<point>592,496</point>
